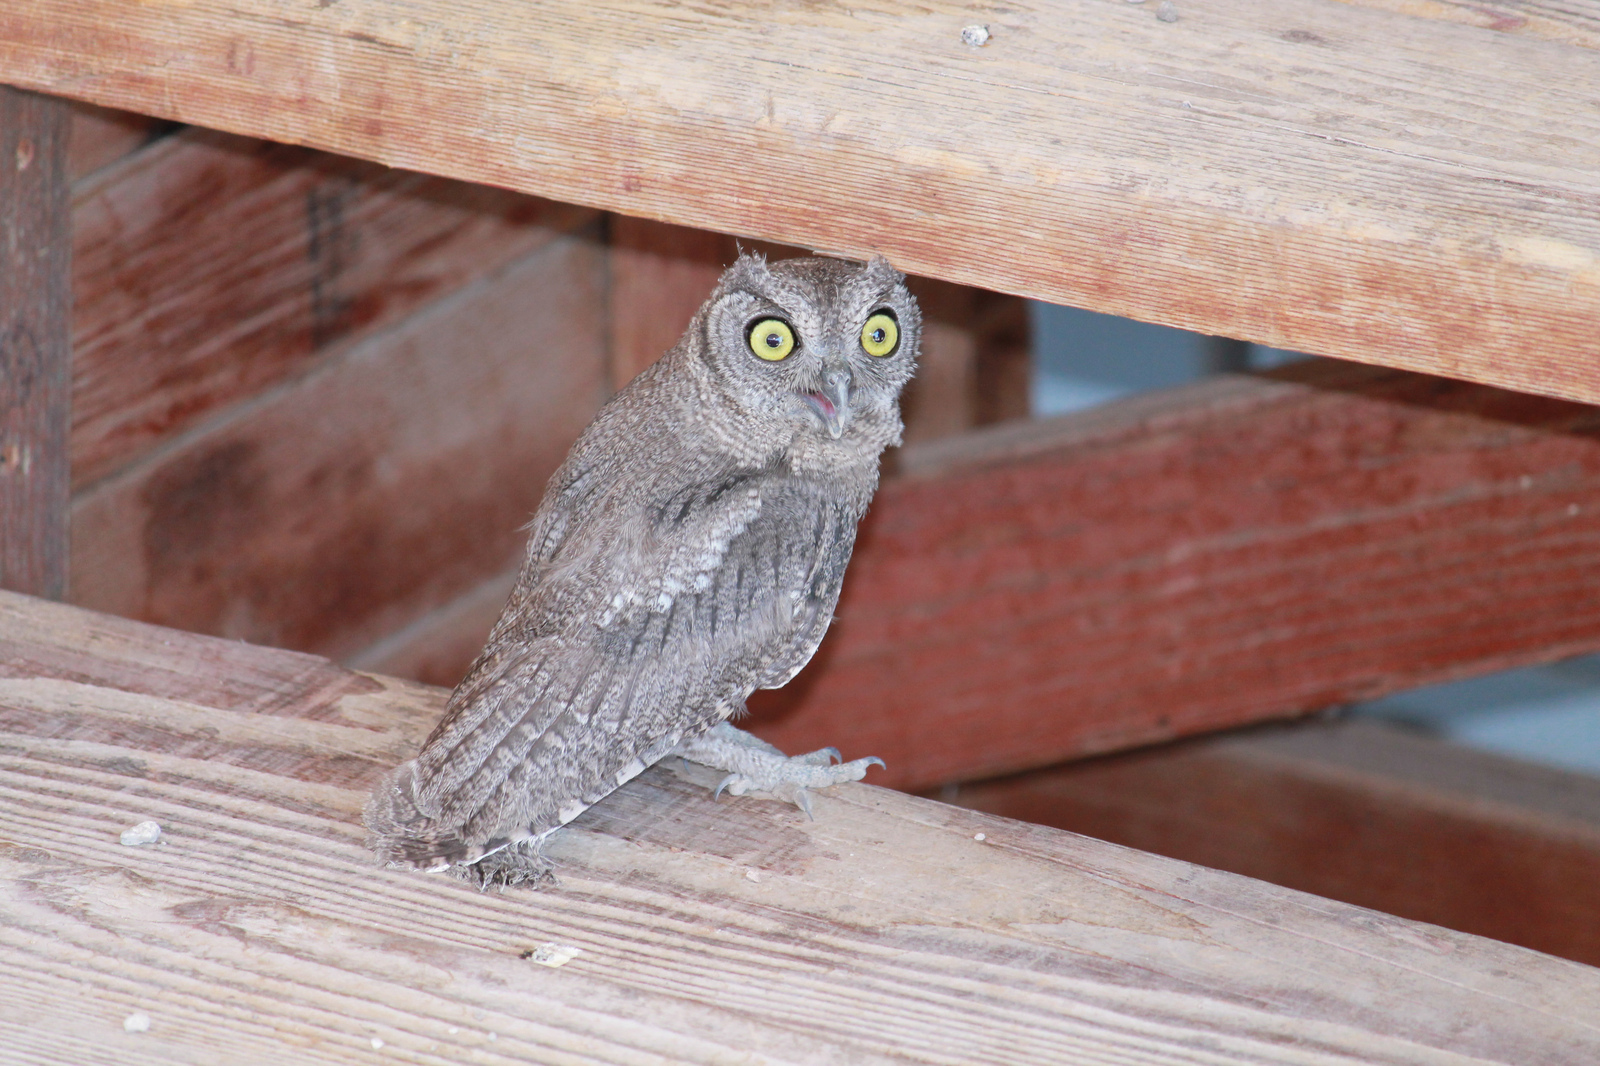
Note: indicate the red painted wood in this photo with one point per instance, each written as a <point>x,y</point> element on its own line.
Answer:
<point>341,508</point>
<point>209,269</point>
<point>1240,550</point>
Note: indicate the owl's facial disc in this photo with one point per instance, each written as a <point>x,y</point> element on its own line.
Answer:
<point>831,402</point>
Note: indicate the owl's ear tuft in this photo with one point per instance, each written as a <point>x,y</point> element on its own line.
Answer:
<point>747,271</point>
<point>881,270</point>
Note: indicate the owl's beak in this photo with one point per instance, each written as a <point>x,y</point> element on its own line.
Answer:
<point>832,402</point>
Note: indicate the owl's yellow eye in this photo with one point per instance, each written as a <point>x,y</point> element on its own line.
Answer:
<point>881,335</point>
<point>772,339</point>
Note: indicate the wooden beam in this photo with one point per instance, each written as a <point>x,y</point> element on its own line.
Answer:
<point>1369,182</point>
<point>1353,810</point>
<point>209,270</point>
<point>1197,559</point>
<point>891,929</point>
<point>35,349</point>
<point>354,500</point>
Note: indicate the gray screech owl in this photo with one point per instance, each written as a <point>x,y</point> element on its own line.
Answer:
<point>689,551</point>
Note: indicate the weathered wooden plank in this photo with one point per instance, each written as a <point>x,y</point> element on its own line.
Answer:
<point>209,269</point>
<point>1359,181</point>
<point>35,344</point>
<point>1352,810</point>
<point>891,929</point>
<point>1550,20</point>
<point>344,506</point>
<point>80,646</point>
<point>1188,561</point>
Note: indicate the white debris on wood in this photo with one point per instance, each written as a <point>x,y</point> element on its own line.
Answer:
<point>143,833</point>
<point>377,1044</point>
<point>553,954</point>
<point>138,1021</point>
<point>975,36</point>
<point>977,836</point>
<point>753,875</point>
<point>1167,12</point>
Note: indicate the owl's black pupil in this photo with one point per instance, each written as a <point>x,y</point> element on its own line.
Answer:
<point>878,335</point>
<point>774,340</point>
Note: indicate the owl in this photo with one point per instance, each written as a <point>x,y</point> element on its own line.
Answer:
<point>689,551</point>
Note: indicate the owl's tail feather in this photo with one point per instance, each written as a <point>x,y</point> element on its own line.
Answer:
<point>402,835</point>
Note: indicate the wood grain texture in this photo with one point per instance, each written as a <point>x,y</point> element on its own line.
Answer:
<point>1201,558</point>
<point>330,513</point>
<point>1339,179</point>
<point>81,646</point>
<point>35,343</point>
<point>209,269</point>
<point>1354,811</point>
<point>699,931</point>
<point>1550,20</point>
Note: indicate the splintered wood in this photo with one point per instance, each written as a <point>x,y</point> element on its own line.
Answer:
<point>256,928</point>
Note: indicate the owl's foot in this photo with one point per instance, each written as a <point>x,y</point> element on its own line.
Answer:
<point>522,863</point>
<point>756,766</point>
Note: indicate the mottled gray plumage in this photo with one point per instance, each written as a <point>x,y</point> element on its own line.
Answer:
<point>689,551</point>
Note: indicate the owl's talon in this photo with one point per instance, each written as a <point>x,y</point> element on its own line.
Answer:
<point>756,766</point>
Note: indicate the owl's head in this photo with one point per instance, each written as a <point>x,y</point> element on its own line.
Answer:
<point>819,345</point>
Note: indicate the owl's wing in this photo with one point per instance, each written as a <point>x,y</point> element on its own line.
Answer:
<point>681,611</point>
